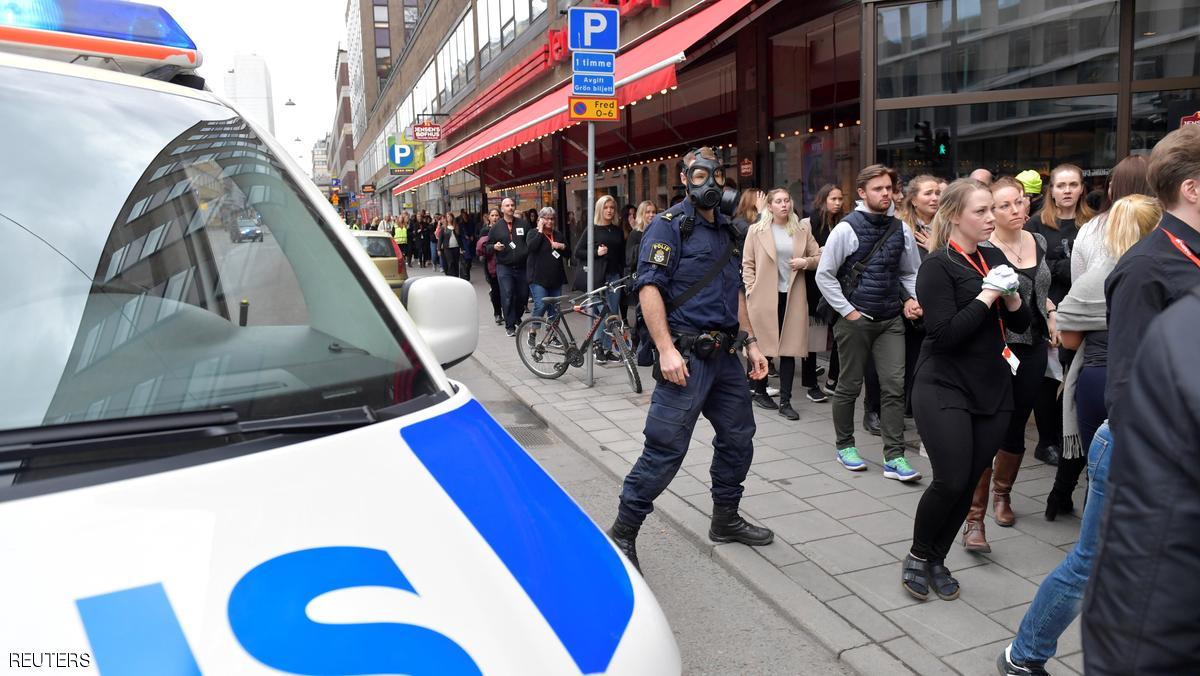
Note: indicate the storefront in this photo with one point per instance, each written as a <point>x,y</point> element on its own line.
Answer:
<point>1013,85</point>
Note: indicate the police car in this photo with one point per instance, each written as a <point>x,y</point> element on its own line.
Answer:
<point>233,459</point>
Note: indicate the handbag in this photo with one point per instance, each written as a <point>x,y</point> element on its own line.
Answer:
<point>824,311</point>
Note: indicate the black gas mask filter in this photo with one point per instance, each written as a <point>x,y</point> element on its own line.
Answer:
<point>709,194</point>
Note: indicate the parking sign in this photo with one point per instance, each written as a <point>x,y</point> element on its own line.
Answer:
<point>594,29</point>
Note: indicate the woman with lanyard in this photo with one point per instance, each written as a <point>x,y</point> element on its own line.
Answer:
<point>610,259</point>
<point>962,395</point>
<point>544,265</point>
<point>916,211</point>
<point>1026,253</point>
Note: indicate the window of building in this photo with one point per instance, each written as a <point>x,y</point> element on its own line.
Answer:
<point>1005,138</point>
<point>1157,113</point>
<point>455,59</point>
<point>1166,39</point>
<point>501,21</point>
<point>822,59</point>
<point>412,14</point>
<point>381,13</point>
<point>382,39</point>
<point>950,46</point>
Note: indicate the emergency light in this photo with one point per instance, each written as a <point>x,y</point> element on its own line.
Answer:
<point>138,38</point>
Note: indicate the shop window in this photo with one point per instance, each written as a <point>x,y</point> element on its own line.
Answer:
<point>1005,138</point>
<point>820,61</point>
<point>950,46</point>
<point>645,183</point>
<point>1157,113</point>
<point>1166,39</point>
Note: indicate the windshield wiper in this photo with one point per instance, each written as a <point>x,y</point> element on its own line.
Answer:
<point>126,432</point>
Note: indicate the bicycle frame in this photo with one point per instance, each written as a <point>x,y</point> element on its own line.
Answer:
<point>581,305</point>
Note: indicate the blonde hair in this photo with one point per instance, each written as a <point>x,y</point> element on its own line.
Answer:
<point>1083,213</point>
<point>639,222</point>
<point>1130,219</point>
<point>906,212</point>
<point>598,215</point>
<point>766,218</point>
<point>950,207</point>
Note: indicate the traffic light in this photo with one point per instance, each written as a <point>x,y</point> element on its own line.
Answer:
<point>941,144</point>
<point>924,139</point>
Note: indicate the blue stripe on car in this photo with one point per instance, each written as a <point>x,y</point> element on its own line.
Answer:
<point>560,558</point>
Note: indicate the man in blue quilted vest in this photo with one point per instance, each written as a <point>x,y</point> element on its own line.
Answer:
<point>872,288</point>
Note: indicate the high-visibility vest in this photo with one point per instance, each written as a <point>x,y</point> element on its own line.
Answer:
<point>401,235</point>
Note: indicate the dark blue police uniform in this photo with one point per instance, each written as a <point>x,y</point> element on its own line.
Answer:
<point>715,387</point>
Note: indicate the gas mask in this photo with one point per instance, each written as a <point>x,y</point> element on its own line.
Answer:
<point>709,194</point>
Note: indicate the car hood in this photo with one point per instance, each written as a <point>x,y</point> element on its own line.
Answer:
<point>426,544</point>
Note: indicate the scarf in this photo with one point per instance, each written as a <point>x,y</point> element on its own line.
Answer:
<point>1083,309</point>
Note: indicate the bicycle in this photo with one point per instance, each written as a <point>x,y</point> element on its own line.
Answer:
<point>548,348</point>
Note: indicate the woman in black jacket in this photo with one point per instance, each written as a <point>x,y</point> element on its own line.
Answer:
<point>610,257</point>
<point>1064,212</point>
<point>962,395</point>
<point>544,264</point>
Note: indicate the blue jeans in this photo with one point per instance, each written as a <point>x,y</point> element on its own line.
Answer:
<point>1059,598</point>
<point>539,292</point>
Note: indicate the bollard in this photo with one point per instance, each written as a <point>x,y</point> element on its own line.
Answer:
<point>244,312</point>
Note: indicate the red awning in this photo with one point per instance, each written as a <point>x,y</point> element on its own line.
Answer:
<point>646,69</point>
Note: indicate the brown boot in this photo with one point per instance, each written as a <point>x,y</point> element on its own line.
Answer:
<point>1007,465</point>
<point>974,539</point>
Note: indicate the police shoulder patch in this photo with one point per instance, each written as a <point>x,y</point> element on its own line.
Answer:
<point>666,215</point>
<point>660,253</point>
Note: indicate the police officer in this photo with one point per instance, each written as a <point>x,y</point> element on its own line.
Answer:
<point>694,327</point>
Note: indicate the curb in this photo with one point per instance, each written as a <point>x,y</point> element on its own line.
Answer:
<point>801,608</point>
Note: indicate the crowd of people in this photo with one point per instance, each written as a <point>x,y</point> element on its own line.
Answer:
<point>971,305</point>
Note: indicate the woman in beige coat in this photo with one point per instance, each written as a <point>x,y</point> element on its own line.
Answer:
<point>779,252</point>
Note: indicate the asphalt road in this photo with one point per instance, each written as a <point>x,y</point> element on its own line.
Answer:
<point>720,625</point>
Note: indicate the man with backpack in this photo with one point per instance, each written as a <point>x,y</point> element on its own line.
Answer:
<point>868,277</point>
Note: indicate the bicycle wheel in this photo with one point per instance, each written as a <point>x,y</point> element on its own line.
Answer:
<point>620,335</point>
<point>543,347</point>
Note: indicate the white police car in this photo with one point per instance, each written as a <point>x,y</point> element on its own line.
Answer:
<point>233,459</point>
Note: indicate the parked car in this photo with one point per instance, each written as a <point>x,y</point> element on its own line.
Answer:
<point>257,463</point>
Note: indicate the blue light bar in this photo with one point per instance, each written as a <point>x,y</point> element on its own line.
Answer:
<point>114,19</point>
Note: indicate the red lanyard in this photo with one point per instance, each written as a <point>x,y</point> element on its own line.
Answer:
<point>1181,246</point>
<point>550,236</point>
<point>983,272</point>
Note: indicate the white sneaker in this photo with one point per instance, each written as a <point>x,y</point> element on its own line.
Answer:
<point>772,391</point>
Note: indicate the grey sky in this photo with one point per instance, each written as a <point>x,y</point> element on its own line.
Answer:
<point>298,39</point>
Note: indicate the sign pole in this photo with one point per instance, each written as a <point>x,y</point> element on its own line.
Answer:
<point>591,230</point>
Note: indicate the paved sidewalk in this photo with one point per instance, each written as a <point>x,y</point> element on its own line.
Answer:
<point>834,568</point>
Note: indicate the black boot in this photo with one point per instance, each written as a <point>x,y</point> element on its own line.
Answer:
<point>1066,478</point>
<point>729,526</point>
<point>786,410</point>
<point>625,537</point>
<point>871,423</point>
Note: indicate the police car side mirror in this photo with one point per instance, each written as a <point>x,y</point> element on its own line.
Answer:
<point>446,314</point>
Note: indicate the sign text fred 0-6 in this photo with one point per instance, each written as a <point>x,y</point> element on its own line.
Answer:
<point>593,108</point>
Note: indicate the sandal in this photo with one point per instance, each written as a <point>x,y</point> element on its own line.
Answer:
<point>914,577</point>
<point>944,584</point>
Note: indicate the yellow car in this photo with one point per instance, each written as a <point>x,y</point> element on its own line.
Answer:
<point>386,255</point>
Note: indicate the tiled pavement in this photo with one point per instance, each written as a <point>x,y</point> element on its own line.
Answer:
<point>834,567</point>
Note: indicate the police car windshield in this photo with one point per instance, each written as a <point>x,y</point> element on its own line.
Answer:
<point>157,257</point>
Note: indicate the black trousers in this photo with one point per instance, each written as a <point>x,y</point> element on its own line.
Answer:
<point>960,447</point>
<point>1048,408</point>
<point>494,292</point>
<point>451,260</point>
<point>787,365</point>
<point>1026,386</point>
<point>914,335</point>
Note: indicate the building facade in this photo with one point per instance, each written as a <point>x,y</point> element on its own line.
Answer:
<point>342,166</point>
<point>791,94</point>
<point>320,163</point>
<point>248,86</point>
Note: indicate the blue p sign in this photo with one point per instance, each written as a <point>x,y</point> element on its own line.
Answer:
<point>401,155</point>
<point>595,29</point>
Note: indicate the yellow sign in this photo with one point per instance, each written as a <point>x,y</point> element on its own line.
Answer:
<point>593,109</point>
<point>334,199</point>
